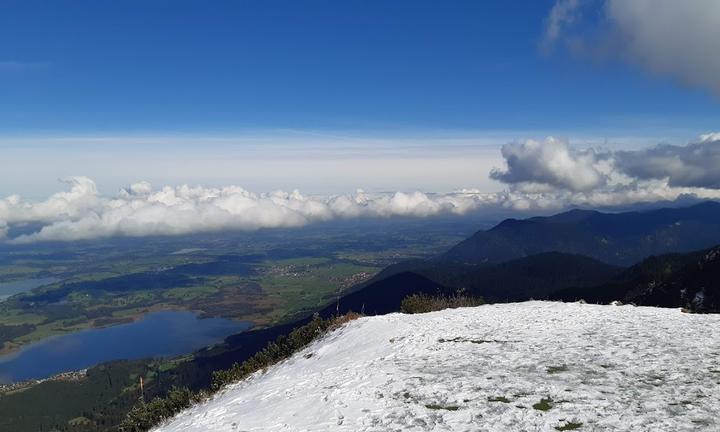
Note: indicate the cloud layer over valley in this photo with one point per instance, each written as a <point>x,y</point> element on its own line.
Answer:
<point>139,210</point>
<point>540,176</point>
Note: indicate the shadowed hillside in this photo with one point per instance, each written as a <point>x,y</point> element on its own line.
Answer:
<point>675,280</point>
<point>533,277</point>
<point>621,239</point>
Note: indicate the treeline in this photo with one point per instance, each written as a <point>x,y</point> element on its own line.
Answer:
<point>98,402</point>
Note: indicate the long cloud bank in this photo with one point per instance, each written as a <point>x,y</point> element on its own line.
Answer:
<point>540,175</point>
<point>81,213</point>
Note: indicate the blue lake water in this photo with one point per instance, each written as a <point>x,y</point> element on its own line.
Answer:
<point>8,289</point>
<point>158,334</point>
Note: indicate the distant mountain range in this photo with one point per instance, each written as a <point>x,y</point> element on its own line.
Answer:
<point>565,257</point>
<point>615,238</point>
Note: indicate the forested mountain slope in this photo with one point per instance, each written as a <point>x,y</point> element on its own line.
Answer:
<point>615,238</point>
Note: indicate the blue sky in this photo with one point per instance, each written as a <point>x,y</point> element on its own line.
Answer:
<point>360,79</point>
<point>226,66</point>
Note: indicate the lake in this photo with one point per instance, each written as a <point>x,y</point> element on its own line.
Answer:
<point>8,289</point>
<point>158,334</point>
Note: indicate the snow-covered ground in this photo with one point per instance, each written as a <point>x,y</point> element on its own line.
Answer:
<point>488,369</point>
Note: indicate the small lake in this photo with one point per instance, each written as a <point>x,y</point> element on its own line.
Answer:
<point>8,289</point>
<point>158,334</point>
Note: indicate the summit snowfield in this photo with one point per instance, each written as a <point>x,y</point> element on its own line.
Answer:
<point>533,366</point>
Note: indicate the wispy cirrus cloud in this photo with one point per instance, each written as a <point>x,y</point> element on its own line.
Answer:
<point>564,13</point>
<point>16,67</point>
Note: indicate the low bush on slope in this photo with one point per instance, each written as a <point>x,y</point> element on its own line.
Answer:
<point>421,303</point>
<point>145,416</point>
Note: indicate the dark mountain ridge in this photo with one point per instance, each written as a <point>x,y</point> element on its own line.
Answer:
<point>536,276</point>
<point>615,238</point>
<point>691,281</point>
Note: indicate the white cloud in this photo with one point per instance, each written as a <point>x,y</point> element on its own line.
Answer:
<point>553,165</point>
<point>139,210</point>
<point>677,38</point>
<point>539,165</point>
<point>712,136</point>
<point>552,174</point>
<point>72,204</point>
<point>694,165</point>
<point>22,67</point>
<point>562,14</point>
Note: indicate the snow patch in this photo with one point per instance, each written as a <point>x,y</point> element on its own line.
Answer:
<point>533,366</point>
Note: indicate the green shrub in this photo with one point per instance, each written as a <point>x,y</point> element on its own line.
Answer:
<point>569,426</point>
<point>422,303</point>
<point>144,416</point>
<point>545,404</point>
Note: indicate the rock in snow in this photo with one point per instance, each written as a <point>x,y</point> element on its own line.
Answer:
<point>533,366</point>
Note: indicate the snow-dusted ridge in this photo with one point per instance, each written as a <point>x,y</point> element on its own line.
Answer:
<point>487,369</point>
